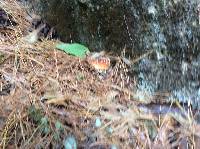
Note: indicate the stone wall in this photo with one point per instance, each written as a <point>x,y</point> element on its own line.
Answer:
<point>170,26</point>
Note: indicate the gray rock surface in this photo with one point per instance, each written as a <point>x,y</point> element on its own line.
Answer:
<point>179,79</point>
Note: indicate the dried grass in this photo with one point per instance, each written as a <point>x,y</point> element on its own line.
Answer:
<point>66,89</point>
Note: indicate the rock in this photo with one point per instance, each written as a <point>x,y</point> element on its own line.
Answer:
<point>70,143</point>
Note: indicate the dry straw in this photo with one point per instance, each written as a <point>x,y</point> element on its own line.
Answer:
<point>51,86</point>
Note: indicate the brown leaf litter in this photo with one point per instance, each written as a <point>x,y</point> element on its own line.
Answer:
<point>68,89</point>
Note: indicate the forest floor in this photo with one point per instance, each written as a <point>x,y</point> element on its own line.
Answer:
<point>49,99</point>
